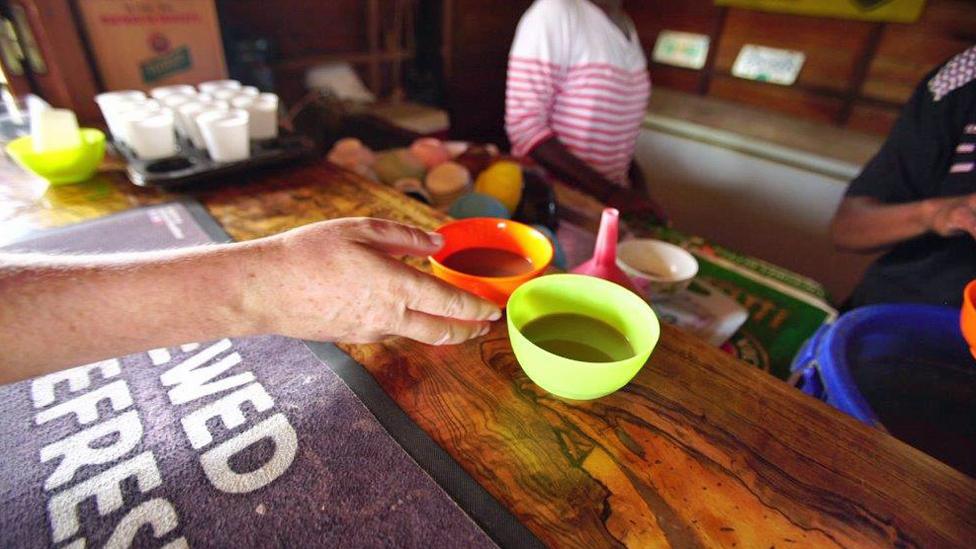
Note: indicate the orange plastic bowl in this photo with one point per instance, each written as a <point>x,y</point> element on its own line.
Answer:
<point>967,319</point>
<point>499,234</point>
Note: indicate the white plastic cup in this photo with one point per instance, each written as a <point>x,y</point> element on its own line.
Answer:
<point>151,134</point>
<point>174,100</point>
<point>220,104</point>
<point>263,110</point>
<point>108,101</point>
<point>172,103</point>
<point>116,113</point>
<point>119,95</point>
<point>165,91</point>
<point>214,85</point>
<point>249,91</point>
<point>55,129</point>
<point>226,135</point>
<point>187,114</point>
<point>225,94</point>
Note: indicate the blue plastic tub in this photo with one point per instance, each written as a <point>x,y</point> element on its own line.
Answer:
<point>903,368</point>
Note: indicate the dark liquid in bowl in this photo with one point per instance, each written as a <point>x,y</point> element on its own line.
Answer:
<point>578,337</point>
<point>489,262</point>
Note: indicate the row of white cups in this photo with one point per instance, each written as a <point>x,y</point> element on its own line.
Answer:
<point>221,116</point>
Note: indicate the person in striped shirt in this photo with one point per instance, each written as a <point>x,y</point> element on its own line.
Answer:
<point>576,94</point>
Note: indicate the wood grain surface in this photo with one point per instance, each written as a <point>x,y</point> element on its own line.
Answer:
<point>698,451</point>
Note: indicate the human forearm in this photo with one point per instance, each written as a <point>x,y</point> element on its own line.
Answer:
<point>59,311</point>
<point>629,200</point>
<point>866,225</point>
<point>555,157</point>
<point>328,281</point>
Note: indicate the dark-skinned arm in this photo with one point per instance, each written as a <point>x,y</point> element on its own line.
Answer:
<point>556,158</point>
<point>867,225</point>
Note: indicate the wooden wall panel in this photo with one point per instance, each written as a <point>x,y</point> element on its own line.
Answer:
<point>908,52</point>
<point>299,27</point>
<point>832,46</point>
<point>69,80</point>
<point>868,118</point>
<point>651,16</point>
<point>676,78</point>
<point>697,16</point>
<point>890,58</point>
<point>481,35</point>
<point>790,100</point>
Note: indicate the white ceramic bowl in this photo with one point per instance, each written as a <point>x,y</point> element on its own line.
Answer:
<point>656,267</point>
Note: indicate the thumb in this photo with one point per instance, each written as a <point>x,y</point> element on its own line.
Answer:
<point>398,239</point>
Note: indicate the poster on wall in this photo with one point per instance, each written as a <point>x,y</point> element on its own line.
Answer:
<point>896,11</point>
<point>149,43</point>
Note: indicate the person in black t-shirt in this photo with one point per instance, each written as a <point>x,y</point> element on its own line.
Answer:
<point>916,199</point>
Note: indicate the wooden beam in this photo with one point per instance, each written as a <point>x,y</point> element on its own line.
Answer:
<point>68,78</point>
<point>373,39</point>
<point>861,73</point>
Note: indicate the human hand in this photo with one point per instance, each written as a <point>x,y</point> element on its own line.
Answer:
<point>336,281</point>
<point>954,216</point>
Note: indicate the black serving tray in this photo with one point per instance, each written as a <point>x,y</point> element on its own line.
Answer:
<point>193,165</point>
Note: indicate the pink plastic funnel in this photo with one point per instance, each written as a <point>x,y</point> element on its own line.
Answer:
<point>604,262</point>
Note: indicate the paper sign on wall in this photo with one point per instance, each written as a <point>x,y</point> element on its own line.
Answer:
<point>681,49</point>
<point>140,45</point>
<point>771,65</point>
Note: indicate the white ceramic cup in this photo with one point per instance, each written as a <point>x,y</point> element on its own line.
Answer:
<point>150,133</point>
<point>117,112</point>
<point>214,85</point>
<point>164,91</point>
<point>264,114</point>
<point>656,267</point>
<point>187,114</point>
<point>225,133</point>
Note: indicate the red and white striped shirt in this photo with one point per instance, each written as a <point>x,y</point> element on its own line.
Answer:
<point>573,73</point>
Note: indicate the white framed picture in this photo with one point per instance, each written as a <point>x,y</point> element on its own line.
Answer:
<point>764,64</point>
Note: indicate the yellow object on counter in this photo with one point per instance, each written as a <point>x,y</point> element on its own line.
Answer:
<point>64,166</point>
<point>502,180</point>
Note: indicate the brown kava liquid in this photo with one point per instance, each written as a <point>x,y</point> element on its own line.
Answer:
<point>490,262</point>
<point>578,337</point>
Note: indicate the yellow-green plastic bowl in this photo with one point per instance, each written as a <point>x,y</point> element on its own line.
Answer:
<point>584,295</point>
<point>63,166</point>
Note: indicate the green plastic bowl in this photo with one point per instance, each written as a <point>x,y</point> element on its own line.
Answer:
<point>63,166</point>
<point>585,295</point>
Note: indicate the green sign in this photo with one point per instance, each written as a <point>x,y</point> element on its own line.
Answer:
<point>168,64</point>
<point>896,11</point>
<point>785,308</point>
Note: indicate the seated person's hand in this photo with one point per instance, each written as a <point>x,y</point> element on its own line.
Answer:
<point>336,281</point>
<point>631,202</point>
<point>954,216</point>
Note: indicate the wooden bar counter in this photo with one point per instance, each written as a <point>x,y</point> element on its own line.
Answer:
<point>699,450</point>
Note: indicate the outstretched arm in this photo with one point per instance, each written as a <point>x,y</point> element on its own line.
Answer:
<point>867,225</point>
<point>330,281</point>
